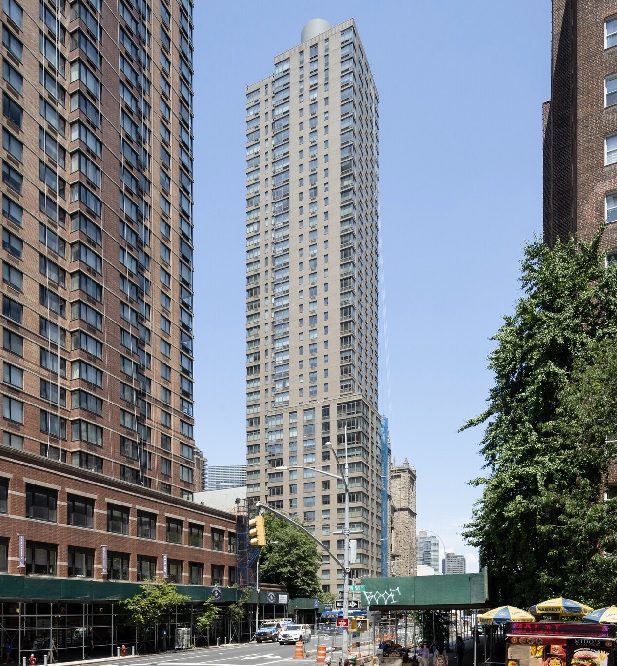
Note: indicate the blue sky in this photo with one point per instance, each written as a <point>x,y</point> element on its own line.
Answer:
<point>461,86</point>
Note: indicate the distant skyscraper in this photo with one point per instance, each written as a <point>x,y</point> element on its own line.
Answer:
<point>311,279</point>
<point>217,477</point>
<point>453,564</point>
<point>428,550</point>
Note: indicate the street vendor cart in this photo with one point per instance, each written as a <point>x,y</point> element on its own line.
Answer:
<point>559,644</point>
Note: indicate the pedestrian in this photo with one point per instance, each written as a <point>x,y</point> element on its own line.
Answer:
<point>460,650</point>
<point>424,654</point>
<point>441,658</point>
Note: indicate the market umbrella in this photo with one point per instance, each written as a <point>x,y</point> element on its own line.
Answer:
<point>562,607</point>
<point>606,615</point>
<point>504,614</point>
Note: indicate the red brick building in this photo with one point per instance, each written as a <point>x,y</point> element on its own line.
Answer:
<point>56,522</point>
<point>580,122</point>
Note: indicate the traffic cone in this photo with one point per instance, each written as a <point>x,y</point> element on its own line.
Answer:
<point>299,653</point>
<point>321,654</point>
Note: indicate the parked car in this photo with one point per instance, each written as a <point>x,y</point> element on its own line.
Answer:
<point>293,633</point>
<point>267,632</point>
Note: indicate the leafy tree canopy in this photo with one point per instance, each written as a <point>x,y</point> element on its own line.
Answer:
<point>541,526</point>
<point>290,558</point>
<point>207,617</point>
<point>151,605</point>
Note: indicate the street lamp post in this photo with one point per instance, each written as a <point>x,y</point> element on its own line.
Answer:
<point>345,479</point>
<point>346,531</point>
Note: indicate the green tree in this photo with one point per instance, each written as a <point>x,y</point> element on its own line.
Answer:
<point>207,617</point>
<point>153,603</point>
<point>289,558</point>
<point>326,598</point>
<point>540,520</point>
<point>238,609</point>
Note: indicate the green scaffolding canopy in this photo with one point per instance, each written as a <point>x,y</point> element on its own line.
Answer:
<point>451,592</point>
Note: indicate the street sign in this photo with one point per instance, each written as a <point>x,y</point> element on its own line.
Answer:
<point>357,588</point>
<point>352,603</point>
<point>342,622</point>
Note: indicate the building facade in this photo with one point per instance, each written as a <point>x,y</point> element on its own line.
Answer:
<point>403,550</point>
<point>97,237</point>
<point>453,564</point>
<point>311,290</point>
<point>580,122</point>
<point>97,459</point>
<point>217,477</point>
<point>428,551</point>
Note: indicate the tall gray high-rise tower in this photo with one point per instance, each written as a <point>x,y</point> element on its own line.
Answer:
<point>312,292</point>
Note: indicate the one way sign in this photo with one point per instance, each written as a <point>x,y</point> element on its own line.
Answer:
<point>352,603</point>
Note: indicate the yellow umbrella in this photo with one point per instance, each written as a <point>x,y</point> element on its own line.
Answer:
<point>504,614</point>
<point>606,615</point>
<point>562,607</point>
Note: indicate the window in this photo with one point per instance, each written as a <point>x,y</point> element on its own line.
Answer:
<point>12,144</point>
<point>11,177</point>
<point>52,424</point>
<point>117,519</point>
<point>11,243</point>
<point>146,567</point>
<point>13,375</point>
<point>611,207</point>
<point>217,573</point>
<point>12,440</point>
<point>11,110</point>
<point>196,535</point>
<point>81,562</point>
<point>146,525</point>
<point>218,538</point>
<point>87,460</point>
<point>12,276</point>
<point>196,573</point>
<point>12,342</point>
<point>12,309</point>
<point>81,399</point>
<point>51,392</point>
<point>11,43</point>
<point>118,566</point>
<point>610,149</point>
<point>186,474</point>
<point>81,132</point>
<point>80,511</point>
<point>41,558</point>
<point>232,542</point>
<point>85,342</point>
<point>4,495</point>
<point>12,76</point>
<point>41,503</point>
<point>51,361</point>
<point>13,409</point>
<point>13,212</point>
<point>173,531</point>
<point>4,554</point>
<point>610,32</point>
<point>174,571</point>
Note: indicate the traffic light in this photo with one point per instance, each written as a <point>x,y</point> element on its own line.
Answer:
<point>257,531</point>
<point>354,624</point>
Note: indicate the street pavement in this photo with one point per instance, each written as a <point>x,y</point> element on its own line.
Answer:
<point>244,654</point>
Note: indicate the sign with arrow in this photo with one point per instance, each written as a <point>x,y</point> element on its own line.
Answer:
<point>352,603</point>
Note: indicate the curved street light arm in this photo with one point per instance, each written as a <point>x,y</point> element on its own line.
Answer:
<point>287,519</point>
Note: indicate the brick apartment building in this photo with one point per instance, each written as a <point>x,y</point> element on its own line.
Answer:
<point>580,122</point>
<point>97,459</point>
